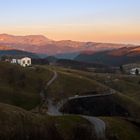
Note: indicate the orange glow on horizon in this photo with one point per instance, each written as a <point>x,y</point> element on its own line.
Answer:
<point>115,34</point>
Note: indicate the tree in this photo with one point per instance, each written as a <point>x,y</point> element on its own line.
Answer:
<point>121,68</point>
<point>137,72</point>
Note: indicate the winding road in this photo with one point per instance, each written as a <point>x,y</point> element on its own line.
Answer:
<point>42,94</point>
<point>98,124</point>
<point>55,75</point>
<point>89,96</point>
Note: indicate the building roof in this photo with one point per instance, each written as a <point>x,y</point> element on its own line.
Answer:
<point>20,57</point>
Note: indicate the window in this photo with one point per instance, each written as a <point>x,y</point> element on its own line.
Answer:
<point>28,61</point>
<point>23,61</point>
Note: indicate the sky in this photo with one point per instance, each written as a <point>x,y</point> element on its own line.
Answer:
<point>115,21</point>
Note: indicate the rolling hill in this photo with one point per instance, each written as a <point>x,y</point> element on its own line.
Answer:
<point>16,53</point>
<point>19,87</point>
<point>112,57</point>
<point>42,45</point>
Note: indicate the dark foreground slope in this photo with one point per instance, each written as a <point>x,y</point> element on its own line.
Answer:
<point>18,124</point>
<point>120,129</point>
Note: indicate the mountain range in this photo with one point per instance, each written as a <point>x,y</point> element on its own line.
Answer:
<point>87,52</point>
<point>42,45</point>
<point>115,57</point>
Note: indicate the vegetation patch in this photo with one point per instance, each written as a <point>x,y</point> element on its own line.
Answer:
<point>21,86</point>
<point>18,124</point>
<point>67,85</point>
<point>119,129</point>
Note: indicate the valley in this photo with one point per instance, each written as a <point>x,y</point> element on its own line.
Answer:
<point>70,70</point>
<point>70,92</point>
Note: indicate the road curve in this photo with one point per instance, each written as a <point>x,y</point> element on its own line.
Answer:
<point>55,75</point>
<point>42,93</point>
<point>98,124</point>
<point>88,96</point>
<point>53,110</point>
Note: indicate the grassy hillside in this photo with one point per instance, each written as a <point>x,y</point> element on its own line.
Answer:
<point>18,124</point>
<point>70,84</point>
<point>21,86</point>
<point>126,84</point>
<point>119,129</point>
<point>114,57</point>
<point>129,104</point>
<point>128,91</point>
<point>17,53</point>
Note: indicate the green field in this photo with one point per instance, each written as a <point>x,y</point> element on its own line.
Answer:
<point>70,84</point>
<point>126,84</point>
<point>18,124</point>
<point>21,86</point>
<point>119,129</point>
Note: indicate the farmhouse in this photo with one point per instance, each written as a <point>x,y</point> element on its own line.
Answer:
<point>23,61</point>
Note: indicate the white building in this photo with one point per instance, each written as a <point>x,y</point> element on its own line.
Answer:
<point>133,71</point>
<point>24,61</point>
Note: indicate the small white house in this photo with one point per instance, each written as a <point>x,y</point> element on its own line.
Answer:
<point>24,61</point>
<point>133,71</point>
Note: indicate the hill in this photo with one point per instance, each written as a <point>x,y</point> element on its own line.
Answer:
<point>16,53</point>
<point>21,86</point>
<point>112,57</point>
<point>78,65</point>
<point>70,84</point>
<point>120,129</point>
<point>126,87</point>
<point>42,45</point>
<point>125,84</point>
<point>19,124</point>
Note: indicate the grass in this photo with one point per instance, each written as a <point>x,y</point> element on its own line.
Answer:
<point>129,104</point>
<point>21,86</point>
<point>126,84</point>
<point>70,84</point>
<point>119,129</point>
<point>129,86</point>
<point>74,127</point>
<point>19,124</point>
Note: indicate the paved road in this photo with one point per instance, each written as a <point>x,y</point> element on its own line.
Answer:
<point>89,96</point>
<point>53,110</point>
<point>99,124</point>
<point>43,97</point>
<point>42,93</point>
<point>52,79</point>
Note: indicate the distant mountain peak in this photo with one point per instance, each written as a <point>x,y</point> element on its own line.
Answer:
<point>29,39</point>
<point>42,45</point>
